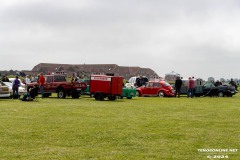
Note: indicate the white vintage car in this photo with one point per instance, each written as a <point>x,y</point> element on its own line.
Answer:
<point>21,83</point>
<point>21,90</point>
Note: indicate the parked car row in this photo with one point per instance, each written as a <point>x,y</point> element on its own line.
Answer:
<point>156,87</point>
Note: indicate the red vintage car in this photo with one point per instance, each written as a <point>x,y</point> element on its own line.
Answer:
<point>156,88</point>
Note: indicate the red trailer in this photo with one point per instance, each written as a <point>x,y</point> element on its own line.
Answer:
<point>102,86</point>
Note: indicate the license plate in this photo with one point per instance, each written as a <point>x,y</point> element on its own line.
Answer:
<point>232,92</point>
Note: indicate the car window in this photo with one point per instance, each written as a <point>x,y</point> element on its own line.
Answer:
<point>157,85</point>
<point>49,79</point>
<point>209,84</point>
<point>2,84</point>
<point>59,79</point>
<point>166,84</point>
<point>150,84</point>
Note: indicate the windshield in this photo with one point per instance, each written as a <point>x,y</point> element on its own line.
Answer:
<point>4,84</point>
<point>209,84</point>
<point>9,84</point>
<point>166,84</point>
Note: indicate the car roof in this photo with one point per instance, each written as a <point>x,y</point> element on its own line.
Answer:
<point>157,81</point>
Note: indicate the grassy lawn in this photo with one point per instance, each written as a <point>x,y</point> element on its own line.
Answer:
<point>141,128</point>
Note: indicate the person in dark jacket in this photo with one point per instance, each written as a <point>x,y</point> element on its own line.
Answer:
<point>233,83</point>
<point>217,83</point>
<point>15,86</point>
<point>31,94</point>
<point>5,79</point>
<point>178,85</point>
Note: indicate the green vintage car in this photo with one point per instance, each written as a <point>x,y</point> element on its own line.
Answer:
<point>128,91</point>
<point>87,90</point>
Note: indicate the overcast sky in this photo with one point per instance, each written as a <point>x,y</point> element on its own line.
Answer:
<point>192,37</point>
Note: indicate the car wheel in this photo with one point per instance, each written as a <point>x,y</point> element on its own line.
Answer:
<point>161,94</point>
<point>75,95</point>
<point>112,98</point>
<point>46,95</point>
<point>61,93</point>
<point>220,94</point>
<point>98,96</point>
<point>138,94</point>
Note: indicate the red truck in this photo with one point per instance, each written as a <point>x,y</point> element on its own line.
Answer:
<point>102,86</point>
<point>58,84</point>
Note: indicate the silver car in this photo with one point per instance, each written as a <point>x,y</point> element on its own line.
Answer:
<point>4,90</point>
<point>21,90</point>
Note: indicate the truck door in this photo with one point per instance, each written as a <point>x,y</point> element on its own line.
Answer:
<point>116,85</point>
<point>48,84</point>
<point>148,89</point>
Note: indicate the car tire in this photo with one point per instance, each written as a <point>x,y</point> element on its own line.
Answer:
<point>161,94</point>
<point>61,93</point>
<point>46,95</point>
<point>112,98</point>
<point>75,95</point>
<point>220,94</point>
<point>98,96</point>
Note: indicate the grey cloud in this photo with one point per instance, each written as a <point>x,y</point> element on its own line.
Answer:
<point>164,35</point>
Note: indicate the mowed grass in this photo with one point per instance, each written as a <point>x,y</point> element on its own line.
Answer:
<point>141,128</point>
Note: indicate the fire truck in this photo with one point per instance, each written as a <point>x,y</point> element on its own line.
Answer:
<point>102,86</point>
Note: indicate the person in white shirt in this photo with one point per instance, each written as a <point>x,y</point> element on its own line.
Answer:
<point>27,80</point>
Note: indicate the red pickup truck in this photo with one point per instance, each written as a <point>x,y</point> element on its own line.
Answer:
<point>58,84</point>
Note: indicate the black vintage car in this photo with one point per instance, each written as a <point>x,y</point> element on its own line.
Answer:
<point>210,89</point>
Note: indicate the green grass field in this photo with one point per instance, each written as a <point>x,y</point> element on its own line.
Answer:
<point>141,128</point>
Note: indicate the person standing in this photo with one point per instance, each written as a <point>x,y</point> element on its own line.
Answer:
<point>15,86</point>
<point>74,78</point>
<point>27,80</point>
<point>178,85</point>
<point>140,81</point>
<point>5,79</point>
<point>233,83</point>
<point>41,83</point>
<point>190,87</point>
<point>217,83</point>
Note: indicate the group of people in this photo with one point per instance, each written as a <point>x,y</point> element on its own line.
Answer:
<point>140,81</point>
<point>178,86</point>
<point>31,93</point>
